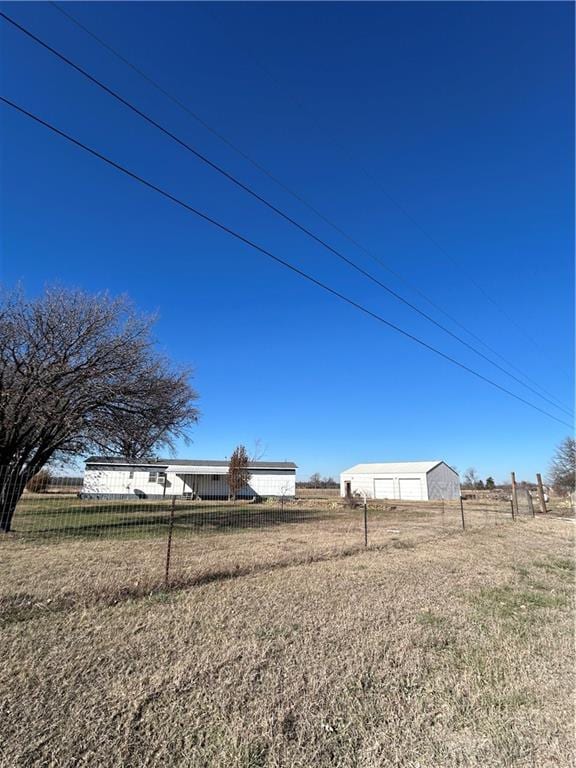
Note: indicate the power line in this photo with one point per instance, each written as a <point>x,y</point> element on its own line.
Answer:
<point>277,259</point>
<point>297,196</point>
<point>274,208</point>
<point>423,231</point>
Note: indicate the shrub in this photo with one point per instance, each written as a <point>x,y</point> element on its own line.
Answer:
<point>39,482</point>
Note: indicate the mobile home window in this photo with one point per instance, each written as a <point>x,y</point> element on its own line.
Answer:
<point>131,474</point>
<point>215,478</point>
<point>153,477</point>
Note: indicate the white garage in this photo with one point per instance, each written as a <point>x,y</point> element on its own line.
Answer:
<point>406,480</point>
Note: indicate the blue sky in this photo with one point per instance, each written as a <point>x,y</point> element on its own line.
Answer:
<point>463,116</point>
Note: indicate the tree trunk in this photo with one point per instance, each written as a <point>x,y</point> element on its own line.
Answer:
<point>12,484</point>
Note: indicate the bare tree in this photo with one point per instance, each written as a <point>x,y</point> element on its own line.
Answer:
<point>80,373</point>
<point>563,467</point>
<point>259,450</point>
<point>238,472</point>
<point>470,478</point>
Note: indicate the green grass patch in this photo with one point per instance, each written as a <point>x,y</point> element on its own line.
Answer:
<point>87,519</point>
<point>398,544</point>
<point>430,619</point>
<point>505,701</point>
<point>509,602</point>
<point>522,571</point>
<point>559,566</point>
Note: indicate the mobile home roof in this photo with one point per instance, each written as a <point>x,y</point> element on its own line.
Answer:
<point>120,460</point>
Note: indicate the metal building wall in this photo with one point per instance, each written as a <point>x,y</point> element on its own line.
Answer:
<point>443,483</point>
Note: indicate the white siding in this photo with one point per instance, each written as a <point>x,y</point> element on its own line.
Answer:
<point>417,480</point>
<point>359,484</point>
<point>270,483</point>
<point>379,485</point>
<point>209,483</point>
<point>124,481</point>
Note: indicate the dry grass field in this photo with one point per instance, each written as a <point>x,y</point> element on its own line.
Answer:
<point>434,648</point>
<point>122,545</point>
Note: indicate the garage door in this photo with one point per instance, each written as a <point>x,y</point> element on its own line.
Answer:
<point>384,488</point>
<point>410,488</point>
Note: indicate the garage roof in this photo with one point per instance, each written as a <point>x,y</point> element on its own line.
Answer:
<point>392,468</point>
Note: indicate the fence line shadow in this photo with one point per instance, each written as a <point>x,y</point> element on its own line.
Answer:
<point>198,520</point>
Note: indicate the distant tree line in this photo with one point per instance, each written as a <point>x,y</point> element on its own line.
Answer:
<point>471,481</point>
<point>44,480</point>
<point>561,473</point>
<point>316,481</point>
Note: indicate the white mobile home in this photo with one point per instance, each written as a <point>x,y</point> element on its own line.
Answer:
<point>409,480</point>
<point>116,477</point>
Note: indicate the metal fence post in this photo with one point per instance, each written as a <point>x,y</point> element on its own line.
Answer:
<point>169,542</point>
<point>462,513</point>
<point>512,508</point>
<point>365,523</point>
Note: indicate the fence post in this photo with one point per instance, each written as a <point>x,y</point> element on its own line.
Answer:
<point>365,523</point>
<point>530,502</point>
<point>462,513</point>
<point>512,508</point>
<point>169,542</point>
<point>514,492</point>
<point>541,498</point>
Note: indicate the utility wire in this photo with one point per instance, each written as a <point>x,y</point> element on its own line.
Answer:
<point>276,210</point>
<point>277,259</point>
<point>297,196</point>
<point>423,231</point>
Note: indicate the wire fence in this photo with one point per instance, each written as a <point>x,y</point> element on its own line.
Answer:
<point>67,543</point>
